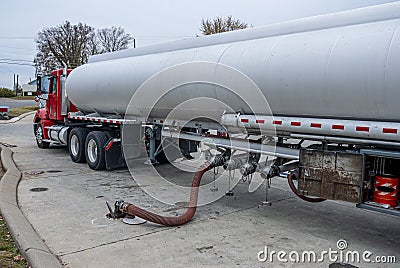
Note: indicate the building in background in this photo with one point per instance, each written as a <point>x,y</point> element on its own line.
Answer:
<point>29,89</point>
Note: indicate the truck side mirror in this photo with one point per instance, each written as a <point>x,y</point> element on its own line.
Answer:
<point>38,85</point>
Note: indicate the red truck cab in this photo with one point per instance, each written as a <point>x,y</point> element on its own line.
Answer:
<point>56,109</point>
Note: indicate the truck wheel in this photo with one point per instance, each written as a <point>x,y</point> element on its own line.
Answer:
<point>95,151</point>
<point>76,144</point>
<point>40,137</point>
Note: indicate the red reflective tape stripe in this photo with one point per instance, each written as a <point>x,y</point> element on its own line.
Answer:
<point>296,124</point>
<point>341,127</point>
<point>4,110</point>
<point>244,120</point>
<point>364,129</point>
<point>277,122</point>
<point>260,121</point>
<point>390,130</point>
<point>317,125</point>
<point>109,145</point>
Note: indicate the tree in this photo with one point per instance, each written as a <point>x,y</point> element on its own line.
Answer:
<point>62,45</point>
<point>113,39</point>
<point>71,45</point>
<point>220,25</point>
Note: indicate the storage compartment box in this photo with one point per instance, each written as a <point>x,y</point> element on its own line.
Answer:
<point>331,175</point>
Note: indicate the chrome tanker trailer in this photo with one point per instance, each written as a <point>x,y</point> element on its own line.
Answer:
<point>319,95</point>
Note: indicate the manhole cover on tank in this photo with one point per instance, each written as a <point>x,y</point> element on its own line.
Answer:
<point>39,189</point>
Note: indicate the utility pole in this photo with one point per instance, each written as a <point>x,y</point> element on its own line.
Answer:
<point>17,91</point>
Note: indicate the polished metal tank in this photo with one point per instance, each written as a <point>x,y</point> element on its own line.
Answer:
<point>339,65</point>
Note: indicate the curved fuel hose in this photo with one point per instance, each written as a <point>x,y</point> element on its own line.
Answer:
<point>171,221</point>
<point>291,177</point>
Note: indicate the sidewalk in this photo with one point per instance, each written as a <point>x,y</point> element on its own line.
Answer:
<point>28,241</point>
<point>16,119</point>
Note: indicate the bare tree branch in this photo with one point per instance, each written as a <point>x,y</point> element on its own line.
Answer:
<point>71,45</point>
<point>113,39</point>
<point>220,25</point>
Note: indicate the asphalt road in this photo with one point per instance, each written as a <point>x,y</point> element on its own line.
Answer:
<point>233,231</point>
<point>12,103</point>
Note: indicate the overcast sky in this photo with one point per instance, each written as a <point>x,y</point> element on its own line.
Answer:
<point>150,22</point>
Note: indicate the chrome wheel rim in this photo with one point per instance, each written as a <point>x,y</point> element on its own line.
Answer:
<point>92,151</point>
<point>74,145</point>
<point>39,134</point>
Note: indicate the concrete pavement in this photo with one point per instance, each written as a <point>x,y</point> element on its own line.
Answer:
<point>30,244</point>
<point>69,217</point>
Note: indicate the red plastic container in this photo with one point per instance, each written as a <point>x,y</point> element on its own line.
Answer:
<point>386,190</point>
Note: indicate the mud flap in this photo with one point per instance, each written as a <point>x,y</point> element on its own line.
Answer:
<point>113,155</point>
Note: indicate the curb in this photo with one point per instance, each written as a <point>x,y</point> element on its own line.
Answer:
<point>28,241</point>
<point>16,119</point>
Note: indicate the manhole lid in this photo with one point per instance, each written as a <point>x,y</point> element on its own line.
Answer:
<point>54,171</point>
<point>182,204</point>
<point>39,189</point>
<point>341,265</point>
<point>34,172</point>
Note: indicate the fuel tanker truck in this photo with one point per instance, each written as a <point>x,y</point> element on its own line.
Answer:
<point>318,96</point>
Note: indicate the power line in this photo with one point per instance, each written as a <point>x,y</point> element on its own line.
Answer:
<point>20,48</point>
<point>16,63</point>
<point>16,37</point>
<point>7,59</point>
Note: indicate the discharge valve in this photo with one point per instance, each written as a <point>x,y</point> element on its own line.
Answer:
<point>117,213</point>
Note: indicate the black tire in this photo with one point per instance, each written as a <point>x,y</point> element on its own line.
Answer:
<point>39,137</point>
<point>95,151</point>
<point>76,144</point>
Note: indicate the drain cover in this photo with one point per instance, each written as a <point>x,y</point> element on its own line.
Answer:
<point>54,171</point>
<point>341,265</point>
<point>35,172</point>
<point>39,189</point>
<point>182,204</point>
